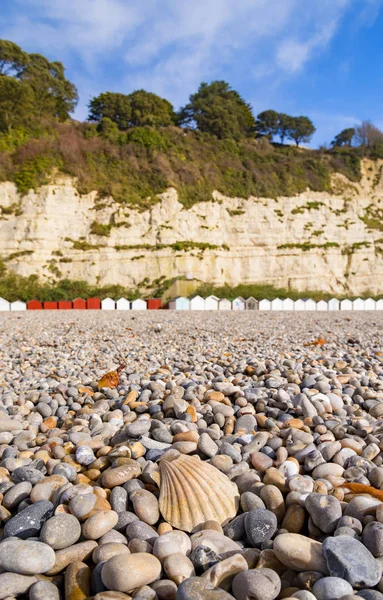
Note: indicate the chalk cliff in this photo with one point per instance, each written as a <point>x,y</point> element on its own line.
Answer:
<point>316,240</point>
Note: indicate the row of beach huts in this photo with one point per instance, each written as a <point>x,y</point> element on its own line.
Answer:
<point>196,303</point>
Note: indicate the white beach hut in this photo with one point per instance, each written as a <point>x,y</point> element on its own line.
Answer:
<point>277,304</point>
<point>310,304</point>
<point>322,305</point>
<point>299,304</point>
<point>179,303</point>
<point>251,303</point>
<point>138,304</point>
<point>369,304</point>
<point>123,304</point>
<point>211,303</point>
<point>18,305</point>
<point>108,304</point>
<point>239,303</point>
<point>358,304</point>
<point>379,304</point>
<point>333,304</point>
<point>197,303</point>
<point>224,304</point>
<point>346,305</point>
<point>287,304</point>
<point>4,304</point>
<point>264,304</point>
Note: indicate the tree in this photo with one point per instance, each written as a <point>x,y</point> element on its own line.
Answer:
<point>344,138</point>
<point>12,58</point>
<point>219,110</point>
<point>300,129</point>
<point>366,134</point>
<point>54,94</point>
<point>108,130</point>
<point>116,107</point>
<point>267,123</point>
<point>150,109</point>
<point>16,103</point>
<point>284,123</point>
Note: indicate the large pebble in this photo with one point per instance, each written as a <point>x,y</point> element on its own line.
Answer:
<point>300,553</point>
<point>127,572</point>
<point>195,588</point>
<point>256,584</point>
<point>324,510</point>
<point>170,543</point>
<point>60,531</point>
<point>99,524</point>
<point>26,557</point>
<point>12,585</point>
<point>28,522</point>
<point>260,525</point>
<point>347,558</point>
<point>331,588</point>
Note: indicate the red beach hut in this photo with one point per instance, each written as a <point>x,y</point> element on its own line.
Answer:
<point>34,305</point>
<point>64,305</point>
<point>79,304</point>
<point>154,303</point>
<point>93,303</point>
<point>50,305</point>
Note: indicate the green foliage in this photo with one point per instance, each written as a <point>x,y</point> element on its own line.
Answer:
<point>344,138</point>
<point>16,103</point>
<point>35,172</point>
<point>268,123</point>
<point>306,246</point>
<point>148,138</point>
<point>258,291</point>
<point>101,229</point>
<point>300,129</point>
<point>219,110</point>
<point>12,58</point>
<point>109,130</point>
<point>138,109</point>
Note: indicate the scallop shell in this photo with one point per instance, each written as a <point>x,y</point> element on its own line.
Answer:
<point>193,492</point>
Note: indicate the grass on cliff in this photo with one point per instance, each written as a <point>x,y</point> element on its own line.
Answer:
<point>144,162</point>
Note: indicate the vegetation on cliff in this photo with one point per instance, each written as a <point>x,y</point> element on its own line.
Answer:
<point>135,146</point>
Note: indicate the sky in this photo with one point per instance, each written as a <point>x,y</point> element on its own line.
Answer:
<point>320,58</point>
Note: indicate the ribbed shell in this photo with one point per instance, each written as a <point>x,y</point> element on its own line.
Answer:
<point>193,492</point>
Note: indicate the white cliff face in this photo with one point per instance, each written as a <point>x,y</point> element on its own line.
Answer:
<point>313,241</point>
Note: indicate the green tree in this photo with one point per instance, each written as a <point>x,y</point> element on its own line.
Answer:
<point>54,94</point>
<point>109,130</point>
<point>219,110</point>
<point>284,123</point>
<point>113,106</point>
<point>12,58</point>
<point>150,109</point>
<point>267,123</point>
<point>300,129</point>
<point>16,103</point>
<point>344,138</point>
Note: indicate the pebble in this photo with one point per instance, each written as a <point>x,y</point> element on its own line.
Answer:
<point>28,522</point>
<point>99,524</point>
<point>26,557</point>
<point>170,543</point>
<point>13,584</point>
<point>260,525</point>
<point>324,510</point>
<point>347,558</point>
<point>60,531</point>
<point>127,572</point>
<point>195,588</point>
<point>44,590</point>
<point>331,588</point>
<point>256,584</point>
<point>300,553</point>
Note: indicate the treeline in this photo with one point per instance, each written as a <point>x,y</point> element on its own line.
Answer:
<point>34,89</point>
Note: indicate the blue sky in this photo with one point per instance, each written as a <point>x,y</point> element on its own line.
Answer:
<point>320,58</point>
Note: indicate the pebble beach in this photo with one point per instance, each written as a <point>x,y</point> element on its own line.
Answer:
<point>191,456</point>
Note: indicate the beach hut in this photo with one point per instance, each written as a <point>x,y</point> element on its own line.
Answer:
<point>50,305</point>
<point>138,304</point>
<point>369,304</point>
<point>4,305</point>
<point>239,303</point>
<point>108,304</point>
<point>333,304</point>
<point>299,304</point>
<point>251,304</point>
<point>123,304</point>
<point>179,303</point>
<point>224,304</point>
<point>310,304</point>
<point>197,303</point>
<point>322,305</point>
<point>358,304</point>
<point>18,305</point>
<point>79,304</point>
<point>379,304</point>
<point>154,303</point>
<point>211,303</point>
<point>346,305</point>
<point>64,305</point>
<point>93,303</point>
<point>287,304</point>
<point>34,305</point>
<point>264,304</point>
<point>277,304</point>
